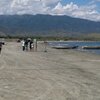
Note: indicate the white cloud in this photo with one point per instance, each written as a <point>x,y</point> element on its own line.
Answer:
<point>65,10</point>
<point>50,2</point>
<point>71,9</point>
<point>45,7</point>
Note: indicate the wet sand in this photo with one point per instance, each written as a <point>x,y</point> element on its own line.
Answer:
<point>51,75</point>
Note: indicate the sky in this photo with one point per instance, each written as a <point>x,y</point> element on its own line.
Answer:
<point>86,9</point>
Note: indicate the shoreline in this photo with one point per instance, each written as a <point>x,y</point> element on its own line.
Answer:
<point>74,41</point>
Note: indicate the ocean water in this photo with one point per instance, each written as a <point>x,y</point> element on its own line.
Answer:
<point>79,44</point>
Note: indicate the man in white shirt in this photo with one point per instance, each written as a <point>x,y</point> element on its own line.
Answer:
<point>23,45</point>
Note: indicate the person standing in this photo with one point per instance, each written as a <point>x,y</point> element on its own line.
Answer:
<point>0,47</point>
<point>45,46</point>
<point>23,45</point>
<point>35,44</point>
<point>31,44</point>
<point>26,45</point>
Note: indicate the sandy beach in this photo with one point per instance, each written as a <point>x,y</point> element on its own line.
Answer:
<point>51,75</point>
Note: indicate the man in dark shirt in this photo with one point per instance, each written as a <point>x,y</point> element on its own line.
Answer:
<point>0,47</point>
<point>26,45</point>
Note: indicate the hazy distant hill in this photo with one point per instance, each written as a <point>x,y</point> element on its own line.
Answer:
<point>46,25</point>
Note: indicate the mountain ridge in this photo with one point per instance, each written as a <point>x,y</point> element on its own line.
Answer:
<point>46,25</point>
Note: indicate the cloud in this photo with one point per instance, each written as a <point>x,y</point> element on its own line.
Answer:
<point>94,1</point>
<point>64,10</point>
<point>24,6</point>
<point>53,7</point>
<point>71,9</point>
<point>50,2</point>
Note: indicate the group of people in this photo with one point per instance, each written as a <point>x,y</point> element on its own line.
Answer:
<point>27,44</point>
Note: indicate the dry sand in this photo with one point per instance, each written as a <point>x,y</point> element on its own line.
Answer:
<point>52,75</point>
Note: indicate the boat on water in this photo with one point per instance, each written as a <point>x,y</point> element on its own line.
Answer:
<point>90,47</point>
<point>64,47</point>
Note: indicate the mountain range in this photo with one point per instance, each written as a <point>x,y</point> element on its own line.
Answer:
<point>46,25</point>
